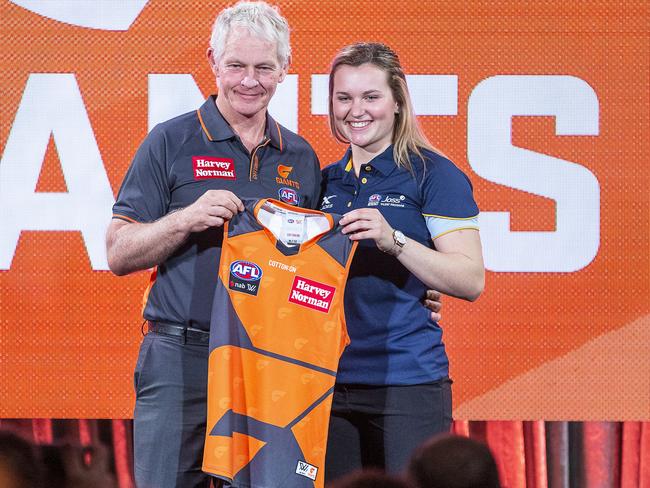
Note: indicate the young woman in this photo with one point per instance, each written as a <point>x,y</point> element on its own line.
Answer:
<point>415,217</point>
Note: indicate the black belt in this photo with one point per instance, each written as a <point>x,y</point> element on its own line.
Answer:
<point>187,334</point>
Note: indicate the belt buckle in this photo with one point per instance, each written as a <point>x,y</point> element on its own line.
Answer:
<point>184,335</point>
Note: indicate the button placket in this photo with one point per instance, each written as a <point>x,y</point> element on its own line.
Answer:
<point>355,193</point>
<point>363,180</point>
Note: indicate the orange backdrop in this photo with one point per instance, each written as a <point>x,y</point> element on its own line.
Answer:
<point>561,332</point>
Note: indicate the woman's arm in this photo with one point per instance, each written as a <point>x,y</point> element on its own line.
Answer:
<point>454,268</point>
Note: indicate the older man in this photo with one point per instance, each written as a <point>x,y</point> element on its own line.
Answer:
<point>185,180</point>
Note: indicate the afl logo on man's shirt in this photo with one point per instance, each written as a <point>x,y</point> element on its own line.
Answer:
<point>245,277</point>
<point>289,195</point>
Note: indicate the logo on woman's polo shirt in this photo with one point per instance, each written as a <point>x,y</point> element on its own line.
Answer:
<point>374,200</point>
<point>386,200</point>
<point>327,202</point>
<point>393,201</point>
<point>206,168</point>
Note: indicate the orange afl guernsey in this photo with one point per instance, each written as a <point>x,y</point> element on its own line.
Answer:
<point>276,334</point>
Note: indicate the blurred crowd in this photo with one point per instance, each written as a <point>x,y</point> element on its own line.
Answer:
<point>445,461</point>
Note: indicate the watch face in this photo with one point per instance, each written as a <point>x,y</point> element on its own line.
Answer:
<point>399,238</point>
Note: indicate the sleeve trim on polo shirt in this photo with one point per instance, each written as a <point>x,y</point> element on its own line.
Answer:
<point>450,218</point>
<point>438,226</point>
<point>125,218</point>
<point>205,129</point>
<point>454,230</point>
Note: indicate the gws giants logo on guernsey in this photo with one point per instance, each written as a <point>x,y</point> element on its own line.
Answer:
<point>245,277</point>
<point>311,294</point>
<point>283,177</point>
<point>306,469</point>
<point>206,168</point>
<point>289,195</point>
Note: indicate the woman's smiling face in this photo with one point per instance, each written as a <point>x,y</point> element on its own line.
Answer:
<point>364,107</point>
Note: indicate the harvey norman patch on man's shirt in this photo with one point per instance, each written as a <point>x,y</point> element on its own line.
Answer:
<point>208,167</point>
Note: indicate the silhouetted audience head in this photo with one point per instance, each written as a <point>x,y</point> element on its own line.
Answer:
<point>19,464</point>
<point>451,461</point>
<point>26,465</point>
<point>369,479</point>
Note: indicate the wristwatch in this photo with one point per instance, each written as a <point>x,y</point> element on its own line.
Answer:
<point>400,241</point>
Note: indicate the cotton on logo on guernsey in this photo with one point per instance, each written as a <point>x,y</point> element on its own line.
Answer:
<point>282,266</point>
<point>210,168</point>
<point>311,294</point>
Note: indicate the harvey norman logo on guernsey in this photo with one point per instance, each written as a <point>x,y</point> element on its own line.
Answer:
<point>311,294</point>
<point>206,167</point>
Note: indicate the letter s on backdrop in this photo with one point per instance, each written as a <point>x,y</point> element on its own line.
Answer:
<point>575,189</point>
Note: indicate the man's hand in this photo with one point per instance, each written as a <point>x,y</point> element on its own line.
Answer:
<point>212,209</point>
<point>433,302</point>
<point>133,246</point>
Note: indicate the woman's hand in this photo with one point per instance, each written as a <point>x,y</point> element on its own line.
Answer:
<point>368,223</point>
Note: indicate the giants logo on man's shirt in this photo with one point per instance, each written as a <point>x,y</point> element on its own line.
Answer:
<point>283,177</point>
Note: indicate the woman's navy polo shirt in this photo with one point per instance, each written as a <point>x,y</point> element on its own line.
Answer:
<point>393,339</point>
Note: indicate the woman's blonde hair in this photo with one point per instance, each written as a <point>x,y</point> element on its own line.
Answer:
<point>407,136</point>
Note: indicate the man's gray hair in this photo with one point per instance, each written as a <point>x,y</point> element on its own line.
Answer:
<point>261,20</point>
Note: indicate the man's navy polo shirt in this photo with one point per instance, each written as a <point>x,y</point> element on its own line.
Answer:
<point>393,339</point>
<point>177,163</point>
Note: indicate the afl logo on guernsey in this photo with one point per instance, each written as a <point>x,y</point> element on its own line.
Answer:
<point>245,277</point>
<point>289,195</point>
